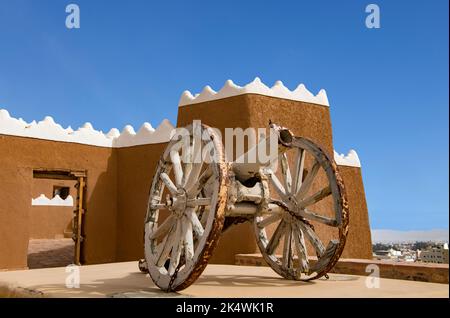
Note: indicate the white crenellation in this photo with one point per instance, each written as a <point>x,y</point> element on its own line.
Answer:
<point>49,130</point>
<point>42,200</point>
<point>351,159</point>
<point>255,87</point>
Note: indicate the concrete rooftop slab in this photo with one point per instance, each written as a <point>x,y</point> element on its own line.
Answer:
<point>125,280</point>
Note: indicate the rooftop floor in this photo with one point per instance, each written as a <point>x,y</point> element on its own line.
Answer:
<point>125,280</point>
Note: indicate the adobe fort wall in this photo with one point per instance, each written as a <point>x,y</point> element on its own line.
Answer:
<point>136,166</point>
<point>19,156</point>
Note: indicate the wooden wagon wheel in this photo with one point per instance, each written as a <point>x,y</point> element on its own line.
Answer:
<point>189,190</point>
<point>293,227</point>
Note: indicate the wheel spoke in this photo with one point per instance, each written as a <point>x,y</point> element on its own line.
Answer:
<point>286,171</point>
<point>194,174</point>
<point>299,162</point>
<point>198,201</point>
<point>168,183</point>
<point>277,184</point>
<point>300,246</point>
<point>177,169</point>
<point>204,217</point>
<point>188,163</point>
<point>157,206</point>
<point>316,197</point>
<point>308,181</point>
<point>166,246</point>
<point>286,261</point>
<point>187,172</point>
<point>163,228</point>
<point>188,241</point>
<point>269,220</point>
<point>196,224</point>
<point>275,239</point>
<point>317,217</point>
<point>196,160</point>
<point>177,247</point>
<point>313,238</point>
<point>195,189</point>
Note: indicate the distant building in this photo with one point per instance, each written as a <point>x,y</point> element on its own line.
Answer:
<point>387,254</point>
<point>435,254</point>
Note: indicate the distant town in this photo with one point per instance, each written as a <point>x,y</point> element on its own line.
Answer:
<point>419,251</point>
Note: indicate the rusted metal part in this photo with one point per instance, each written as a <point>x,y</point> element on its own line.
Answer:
<point>343,229</point>
<point>342,202</point>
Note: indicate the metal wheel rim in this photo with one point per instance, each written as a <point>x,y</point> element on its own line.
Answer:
<point>340,207</point>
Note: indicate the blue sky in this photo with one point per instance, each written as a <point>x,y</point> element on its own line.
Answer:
<point>130,61</point>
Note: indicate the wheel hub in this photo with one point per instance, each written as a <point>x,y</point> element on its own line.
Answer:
<point>178,203</point>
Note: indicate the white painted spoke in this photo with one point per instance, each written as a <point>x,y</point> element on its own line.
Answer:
<point>308,181</point>
<point>163,228</point>
<point>195,189</point>
<point>177,169</point>
<point>316,197</point>
<point>176,249</point>
<point>277,184</point>
<point>286,172</point>
<point>157,206</point>
<point>275,239</point>
<point>300,247</point>
<point>188,241</point>
<point>168,183</point>
<point>165,246</point>
<point>317,217</point>
<point>313,238</point>
<point>196,224</point>
<point>286,261</point>
<point>187,164</point>
<point>194,175</point>
<point>196,160</point>
<point>299,162</point>
<point>269,220</point>
<point>198,201</point>
<point>186,173</point>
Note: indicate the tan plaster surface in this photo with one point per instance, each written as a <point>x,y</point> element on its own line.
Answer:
<point>125,280</point>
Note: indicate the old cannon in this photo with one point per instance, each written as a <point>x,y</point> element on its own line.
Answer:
<point>196,194</point>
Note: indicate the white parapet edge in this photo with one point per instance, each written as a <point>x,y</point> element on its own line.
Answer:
<point>255,87</point>
<point>350,160</point>
<point>42,200</point>
<point>49,130</point>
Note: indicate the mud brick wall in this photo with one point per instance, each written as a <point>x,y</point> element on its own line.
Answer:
<point>18,157</point>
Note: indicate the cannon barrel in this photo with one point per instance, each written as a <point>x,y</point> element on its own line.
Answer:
<point>264,154</point>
